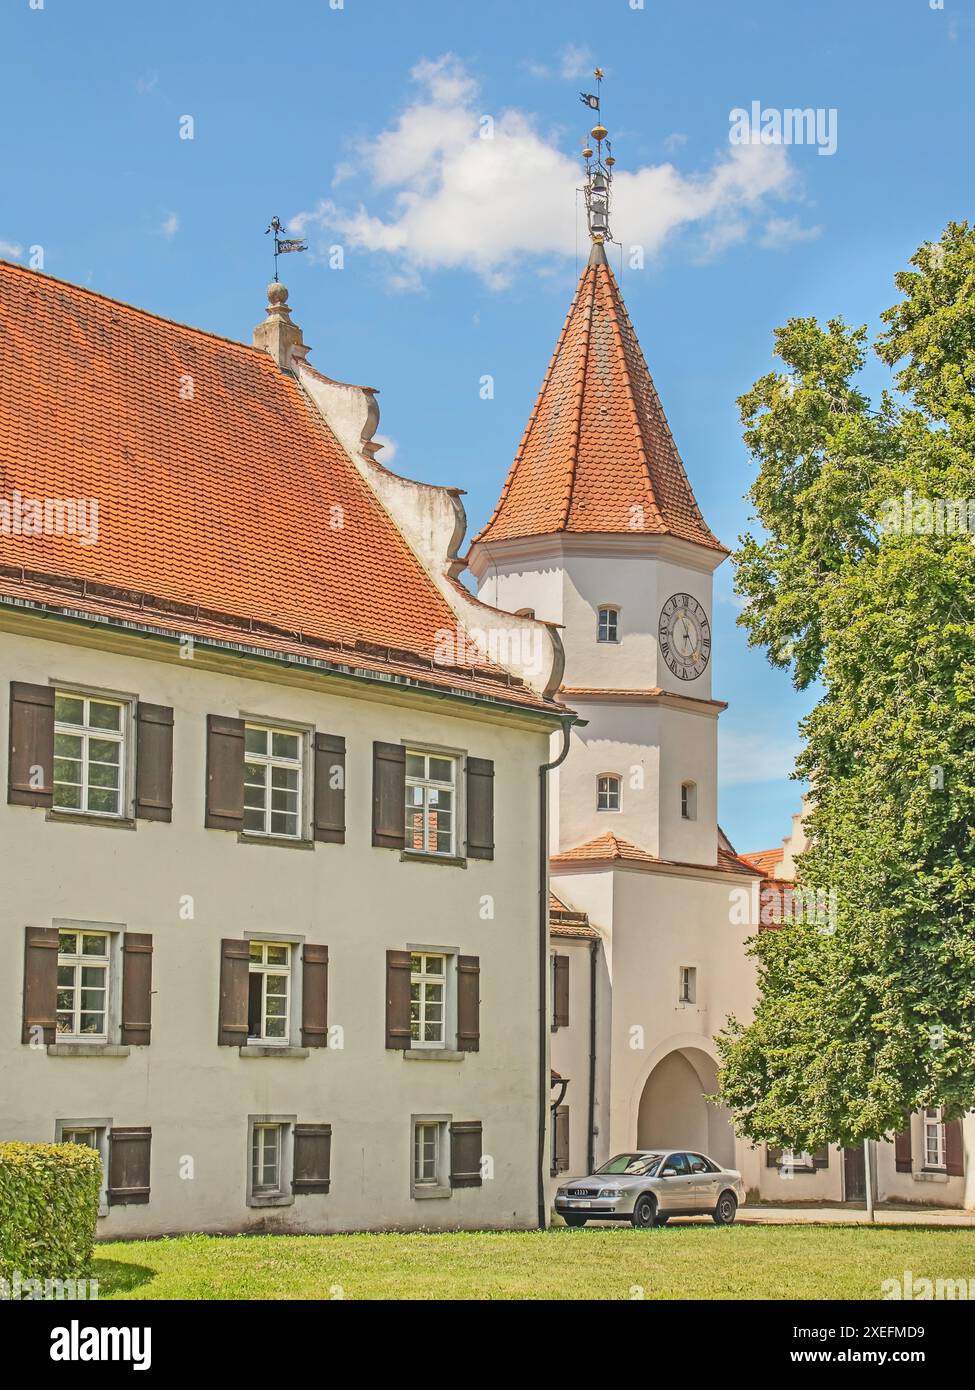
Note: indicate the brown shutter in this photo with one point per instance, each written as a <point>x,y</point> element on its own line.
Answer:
<point>153,762</point>
<point>330,788</point>
<point>136,988</point>
<point>480,808</point>
<point>314,995</point>
<point>397,999</point>
<point>465,1153</point>
<point>561,1140</point>
<point>312,1158</point>
<point>820,1158</point>
<point>468,1003</point>
<point>31,745</point>
<point>225,773</point>
<point>902,1150</point>
<point>773,1157</point>
<point>234,977</point>
<point>389,795</point>
<point>954,1149</point>
<point>560,990</point>
<point>40,982</point>
<point>128,1166</point>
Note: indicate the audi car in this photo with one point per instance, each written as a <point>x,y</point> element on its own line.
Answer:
<point>648,1187</point>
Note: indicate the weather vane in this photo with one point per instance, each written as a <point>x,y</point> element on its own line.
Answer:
<point>599,167</point>
<point>283,245</point>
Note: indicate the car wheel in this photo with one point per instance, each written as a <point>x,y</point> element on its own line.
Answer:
<point>571,1219</point>
<point>724,1213</point>
<point>645,1211</point>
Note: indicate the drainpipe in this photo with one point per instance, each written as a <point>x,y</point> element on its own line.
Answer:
<point>543,1076</point>
<point>591,1152</point>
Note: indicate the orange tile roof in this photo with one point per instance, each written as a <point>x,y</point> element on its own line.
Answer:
<point>611,848</point>
<point>226,506</point>
<point>597,445</point>
<point>767,860</point>
<point>563,921</point>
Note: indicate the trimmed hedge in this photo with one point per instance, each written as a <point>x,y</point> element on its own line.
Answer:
<point>48,1209</point>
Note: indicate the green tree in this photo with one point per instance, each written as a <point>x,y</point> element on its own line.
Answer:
<point>865,583</point>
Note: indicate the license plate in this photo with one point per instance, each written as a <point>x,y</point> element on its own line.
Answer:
<point>580,1204</point>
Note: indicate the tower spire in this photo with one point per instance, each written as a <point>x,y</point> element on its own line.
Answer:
<point>599,167</point>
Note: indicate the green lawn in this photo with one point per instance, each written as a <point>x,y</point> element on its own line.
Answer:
<point>683,1261</point>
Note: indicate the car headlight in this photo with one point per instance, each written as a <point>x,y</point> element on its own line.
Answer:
<point>611,1192</point>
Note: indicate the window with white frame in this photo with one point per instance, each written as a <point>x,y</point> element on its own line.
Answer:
<point>688,800</point>
<point>93,1134</point>
<point>267,1156</point>
<point>934,1138</point>
<point>83,985</point>
<point>89,754</point>
<point>608,792</point>
<point>269,992</point>
<point>687,993</point>
<point>608,625</point>
<point>272,781</point>
<point>428,1143</point>
<point>430,802</point>
<point>428,999</point>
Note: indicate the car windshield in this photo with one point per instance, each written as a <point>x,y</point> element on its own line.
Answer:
<point>632,1165</point>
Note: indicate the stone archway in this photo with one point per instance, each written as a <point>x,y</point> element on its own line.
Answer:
<point>673,1112</point>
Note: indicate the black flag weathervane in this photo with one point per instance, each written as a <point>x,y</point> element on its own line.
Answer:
<point>283,245</point>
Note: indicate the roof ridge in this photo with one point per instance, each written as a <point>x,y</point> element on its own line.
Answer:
<point>43,276</point>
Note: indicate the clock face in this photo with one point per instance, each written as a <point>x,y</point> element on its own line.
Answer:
<point>685,636</point>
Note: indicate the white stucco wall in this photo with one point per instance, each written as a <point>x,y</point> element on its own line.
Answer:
<point>359,900</point>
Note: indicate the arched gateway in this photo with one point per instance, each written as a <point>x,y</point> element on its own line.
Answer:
<point>674,1113</point>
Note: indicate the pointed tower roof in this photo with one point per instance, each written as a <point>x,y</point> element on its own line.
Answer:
<point>597,454</point>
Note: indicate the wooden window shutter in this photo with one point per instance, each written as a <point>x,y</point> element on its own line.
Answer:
<point>40,984</point>
<point>954,1149</point>
<point>560,989</point>
<point>234,980</point>
<point>225,773</point>
<point>397,999</point>
<point>465,1153</point>
<point>902,1150</point>
<point>820,1158</point>
<point>561,1141</point>
<point>128,1166</point>
<point>153,762</point>
<point>312,1158</point>
<point>30,768</point>
<point>480,808</point>
<point>314,995</point>
<point>773,1157</point>
<point>330,788</point>
<point>389,795</point>
<point>468,1003</point>
<point>136,988</point>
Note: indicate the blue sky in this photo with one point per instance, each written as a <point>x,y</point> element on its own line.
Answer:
<point>360,125</point>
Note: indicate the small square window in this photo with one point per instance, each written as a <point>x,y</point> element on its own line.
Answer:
<point>687,992</point>
<point>430,803</point>
<point>608,792</point>
<point>89,755</point>
<point>608,626</point>
<point>688,801</point>
<point>273,773</point>
<point>266,1147</point>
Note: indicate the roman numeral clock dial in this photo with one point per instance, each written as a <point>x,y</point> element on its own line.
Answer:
<point>685,636</point>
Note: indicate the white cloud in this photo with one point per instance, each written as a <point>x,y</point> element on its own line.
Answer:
<point>745,758</point>
<point>439,195</point>
<point>575,62</point>
<point>782,232</point>
<point>675,140</point>
<point>11,250</point>
<point>170,226</point>
<point>388,452</point>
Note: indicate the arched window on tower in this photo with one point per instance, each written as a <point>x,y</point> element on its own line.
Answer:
<point>688,801</point>
<point>608,791</point>
<point>524,613</point>
<point>608,626</point>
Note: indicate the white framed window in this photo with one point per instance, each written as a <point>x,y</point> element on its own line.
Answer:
<point>934,1138</point>
<point>269,992</point>
<point>426,1153</point>
<point>89,754</point>
<point>608,786</point>
<point>267,1157</point>
<point>431,795</point>
<point>84,968</point>
<point>688,800</point>
<point>273,775</point>
<point>608,624</point>
<point>687,987</point>
<point>428,999</point>
<point>94,1135</point>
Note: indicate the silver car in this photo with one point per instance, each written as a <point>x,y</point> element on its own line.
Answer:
<point>648,1187</point>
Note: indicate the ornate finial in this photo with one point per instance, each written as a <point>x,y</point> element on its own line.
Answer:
<point>283,245</point>
<point>599,175</point>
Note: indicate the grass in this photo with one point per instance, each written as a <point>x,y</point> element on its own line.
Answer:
<point>682,1261</point>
